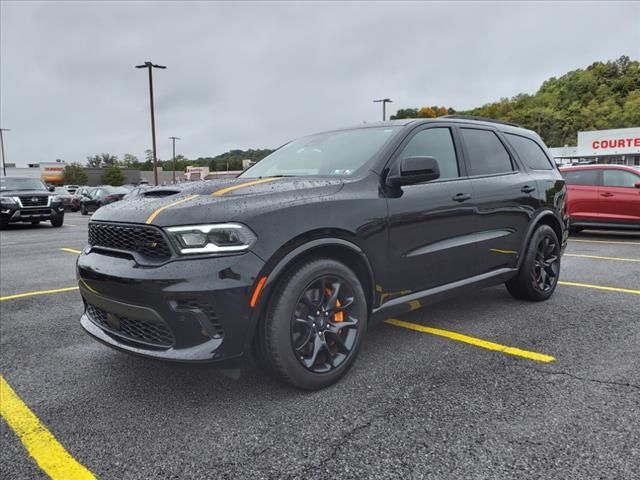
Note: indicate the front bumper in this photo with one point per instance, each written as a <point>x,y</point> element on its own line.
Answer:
<point>16,213</point>
<point>194,310</point>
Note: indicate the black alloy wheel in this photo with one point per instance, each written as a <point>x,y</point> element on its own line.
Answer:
<point>539,270</point>
<point>324,325</point>
<point>547,263</point>
<point>314,322</point>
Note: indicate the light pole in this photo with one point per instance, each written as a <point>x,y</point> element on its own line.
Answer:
<point>384,102</point>
<point>173,139</point>
<point>150,66</point>
<point>4,161</point>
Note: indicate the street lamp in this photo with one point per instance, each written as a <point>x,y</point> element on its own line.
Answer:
<point>173,139</point>
<point>4,161</point>
<point>150,66</point>
<point>384,102</point>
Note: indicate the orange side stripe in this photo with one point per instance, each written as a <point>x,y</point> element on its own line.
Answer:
<point>256,292</point>
<point>162,209</point>
<point>222,191</point>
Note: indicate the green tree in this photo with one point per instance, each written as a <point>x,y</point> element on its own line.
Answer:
<point>113,175</point>
<point>94,161</point>
<point>74,174</point>
<point>130,161</point>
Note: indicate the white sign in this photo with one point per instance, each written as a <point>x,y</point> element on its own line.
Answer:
<point>622,141</point>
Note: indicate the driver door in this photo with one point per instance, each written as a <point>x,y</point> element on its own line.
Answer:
<point>431,223</point>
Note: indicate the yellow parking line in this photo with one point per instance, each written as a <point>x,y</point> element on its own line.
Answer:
<point>600,287</point>
<point>538,357</point>
<point>48,453</point>
<point>71,250</point>
<point>604,241</point>
<point>37,292</point>
<point>619,259</point>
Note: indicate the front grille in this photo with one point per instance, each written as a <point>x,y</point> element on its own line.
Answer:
<point>185,305</point>
<point>147,241</point>
<point>35,211</point>
<point>29,201</point>
<point>137,330</point>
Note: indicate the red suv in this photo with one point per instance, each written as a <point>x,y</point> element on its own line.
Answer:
<point>602,196</point>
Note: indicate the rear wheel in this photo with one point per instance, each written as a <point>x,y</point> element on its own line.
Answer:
<point>314,324</point>
<point>538,275</point>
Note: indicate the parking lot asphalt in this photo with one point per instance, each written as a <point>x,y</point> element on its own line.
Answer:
<point>415,405</point>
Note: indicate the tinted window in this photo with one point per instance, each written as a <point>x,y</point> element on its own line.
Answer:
<point>529,152</point>
<point>619,178</point>
<point>436,143</point>
<point>581,177</point>
<point>487,155</point>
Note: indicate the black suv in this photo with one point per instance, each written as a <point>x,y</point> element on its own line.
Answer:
<point>24,199</point>
<point>295,257</point>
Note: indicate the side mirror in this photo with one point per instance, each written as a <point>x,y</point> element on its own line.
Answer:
<point>51,188</point>
<point>415,170</point>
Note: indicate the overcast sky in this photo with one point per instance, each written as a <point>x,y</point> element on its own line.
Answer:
<point>254,75</point>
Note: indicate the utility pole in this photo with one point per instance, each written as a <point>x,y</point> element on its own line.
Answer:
<point>150,66</point>
<point>173,139</point>
<point>384,102</point>
<point>4,161</point>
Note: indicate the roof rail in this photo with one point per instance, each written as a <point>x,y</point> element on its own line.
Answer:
<point>480,119</point>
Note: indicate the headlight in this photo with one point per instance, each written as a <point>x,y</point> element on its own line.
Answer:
<point>8,201</point>
<point>216,238</point>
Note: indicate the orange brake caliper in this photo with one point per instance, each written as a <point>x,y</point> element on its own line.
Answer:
<point>338,316</point>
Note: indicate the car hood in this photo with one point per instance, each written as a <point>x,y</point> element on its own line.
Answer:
<point>217,200</point>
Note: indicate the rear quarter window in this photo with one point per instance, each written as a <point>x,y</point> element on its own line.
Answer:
<point>529,152</point>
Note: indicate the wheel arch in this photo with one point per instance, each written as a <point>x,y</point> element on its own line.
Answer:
<point>545,217</point>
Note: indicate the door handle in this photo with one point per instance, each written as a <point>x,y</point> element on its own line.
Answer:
<point>461,197</point>
<point>527,189</point>
<point>606,194</point>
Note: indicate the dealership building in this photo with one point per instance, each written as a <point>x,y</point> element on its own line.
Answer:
<point>618,146</point>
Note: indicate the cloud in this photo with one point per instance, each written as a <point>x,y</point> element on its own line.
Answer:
<point>243,75</point>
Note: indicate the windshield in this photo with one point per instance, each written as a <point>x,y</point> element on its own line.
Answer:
<point>116,190</point>
<point>325,154</point>
<point>7,184</point>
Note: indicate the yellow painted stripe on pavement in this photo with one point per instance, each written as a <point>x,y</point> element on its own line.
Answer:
<point>222,191</point>
<point>597,257</point>
<point>48,453</point>
<point>37,292</point>
<point>604,241</point>
<point>538,357</point>
<point>162,209</point>
<point>71,250</point>
<point>600,287</point>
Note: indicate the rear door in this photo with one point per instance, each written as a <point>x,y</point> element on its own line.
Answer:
<point>619,199</point>
<point>582,193</point>
<point>504,199</point>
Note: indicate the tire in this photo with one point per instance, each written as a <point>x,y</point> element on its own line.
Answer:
<point>83,210</point>
<point>4,223</point>
<point>300,347</point>
<point>57,221</point>
<point>538,276</point>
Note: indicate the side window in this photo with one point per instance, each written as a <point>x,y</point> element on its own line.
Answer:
<point>581,177</point>
<point>436,143</point>
<point>529,152</point>
<point>619,178</point>
<point>487,155</point>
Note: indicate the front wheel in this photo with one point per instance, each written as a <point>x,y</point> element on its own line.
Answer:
<point>540,268</point>
<point>314,325</point>
<point>83,210</point>
<point>57,221</point>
